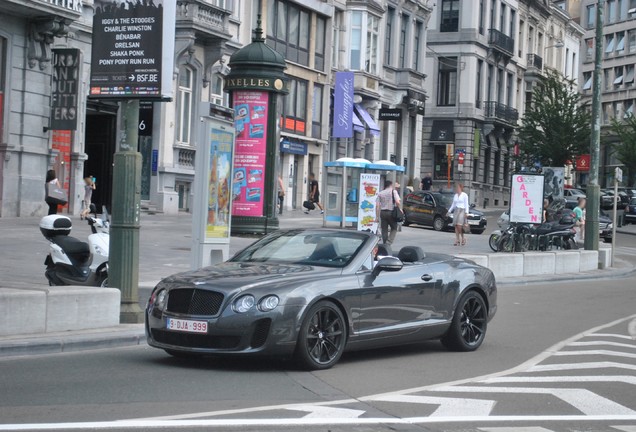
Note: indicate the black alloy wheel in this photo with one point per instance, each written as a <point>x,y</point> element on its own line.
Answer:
<point>468,328</point>
<point>322,337</point>
<point>439,223</point>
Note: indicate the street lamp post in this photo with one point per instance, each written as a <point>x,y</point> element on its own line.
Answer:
<point>593,188</point>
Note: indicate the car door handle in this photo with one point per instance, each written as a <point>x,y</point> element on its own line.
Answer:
<point>427,277</point>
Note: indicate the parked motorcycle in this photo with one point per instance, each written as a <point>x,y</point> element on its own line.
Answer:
<point>523,237</point>
<point>503,223</point>
<point>72,261</point>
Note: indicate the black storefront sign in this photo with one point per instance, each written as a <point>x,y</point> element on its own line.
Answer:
<point>128,43</point>
<point>442,130</point>
<point>145,118</point>
<point>66,65</point>
<point>390,114</point>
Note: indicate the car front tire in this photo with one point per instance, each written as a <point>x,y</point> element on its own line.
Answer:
<point>470,321</point>
<point>322,338</point>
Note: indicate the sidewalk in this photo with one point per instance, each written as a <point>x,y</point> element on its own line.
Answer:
<point>165,243</point>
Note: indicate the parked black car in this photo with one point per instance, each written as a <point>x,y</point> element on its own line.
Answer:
<point>604,223</point>
<point>314,293</point>
<point>630,212</point>
<point>431,209</point>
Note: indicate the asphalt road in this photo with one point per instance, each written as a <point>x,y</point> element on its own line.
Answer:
<point>585,383</point>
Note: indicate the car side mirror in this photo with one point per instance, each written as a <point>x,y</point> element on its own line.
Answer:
<point>472,206</point>
<point>389,264</point>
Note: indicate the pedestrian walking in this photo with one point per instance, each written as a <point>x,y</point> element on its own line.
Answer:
<point>427,182</point>
<point>388,200</point>
<point>281,195</point>
<point>89,187</point>
<point>314,193</point>
<point>51,178</point>
<point>459,208</point>
<point>579,218</point>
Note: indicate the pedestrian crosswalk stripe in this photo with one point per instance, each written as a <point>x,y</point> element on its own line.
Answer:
<point>627,379</point>
<point>595,352</point>
<point>448,407</point>
<point>515,429</point>
<point>614,335</point>
<point>587,402</point>
<point>576,366</point>
<point>608,343</point>
<point>317,411</point>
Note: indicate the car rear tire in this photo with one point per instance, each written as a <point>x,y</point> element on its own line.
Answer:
<point>438,223</point>
<point>469,325</point>
<point>322,338</point>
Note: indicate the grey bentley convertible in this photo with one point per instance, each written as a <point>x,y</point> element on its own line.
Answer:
<point>316,293</point>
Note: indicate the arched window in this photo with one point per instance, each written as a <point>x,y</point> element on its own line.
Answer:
<point>184,105</point>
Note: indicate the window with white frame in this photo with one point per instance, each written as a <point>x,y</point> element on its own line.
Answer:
<point>618,75</point>
<point>217,96</point>
<point>184,107</point>
<point>364,46</point>
<point>417,41</point>
<point>587,79</point>
<point>629,75</point>
<point>447,81</point>
<point>335,39</point>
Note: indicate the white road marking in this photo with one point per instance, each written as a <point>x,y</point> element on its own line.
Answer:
<point>515,429</point>
<point>327,412</point>
<point>576,366</point>
<point>587,402</point>
<point>625,428</point>
<point>619,336</point>
<point>627,379</point>
<point>608,343</point>
<point>172,424</point>
<point>448,407</point>
<point>595,352</point>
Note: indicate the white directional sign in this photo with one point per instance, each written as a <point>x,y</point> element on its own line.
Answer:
<point>619,175</point>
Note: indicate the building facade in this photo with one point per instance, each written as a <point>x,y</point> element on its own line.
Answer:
<point>30,36</point>
<point>618,94</point>
<point>483,59</point>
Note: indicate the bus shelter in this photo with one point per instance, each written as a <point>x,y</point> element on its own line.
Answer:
<point>343,189</point>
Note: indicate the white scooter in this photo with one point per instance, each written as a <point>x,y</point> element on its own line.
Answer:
<point>72,261</point>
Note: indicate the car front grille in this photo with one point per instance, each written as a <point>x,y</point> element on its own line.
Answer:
<point>194,301</point>
<point>473,217</point>
<point>195,340</point>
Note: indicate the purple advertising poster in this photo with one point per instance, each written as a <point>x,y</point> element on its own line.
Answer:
<point>250,121</point>
<point>343,106</point>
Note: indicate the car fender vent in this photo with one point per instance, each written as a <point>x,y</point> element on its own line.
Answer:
<point>261,331</point>
<point>194,301</point>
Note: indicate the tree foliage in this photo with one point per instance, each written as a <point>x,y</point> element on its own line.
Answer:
<point>556,128</point>
<point>622,144</point>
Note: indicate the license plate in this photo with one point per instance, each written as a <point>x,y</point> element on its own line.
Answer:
<point>187,325</point>
<point>473,222</point>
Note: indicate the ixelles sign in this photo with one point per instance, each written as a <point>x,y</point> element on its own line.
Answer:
<point>253,84</point>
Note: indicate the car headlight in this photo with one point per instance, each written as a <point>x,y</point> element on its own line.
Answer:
<point>243,303</point>
<point>268,303</point>
<point>159,298</point>
<point>610,226</point>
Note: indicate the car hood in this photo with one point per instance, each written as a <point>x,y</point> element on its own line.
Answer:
<point>230,276</point>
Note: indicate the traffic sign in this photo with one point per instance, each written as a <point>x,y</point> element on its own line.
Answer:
<point>619,175</point>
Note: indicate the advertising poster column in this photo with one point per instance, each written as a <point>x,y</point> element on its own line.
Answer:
<point>250,122</point>
<point>369,188</point>
<point>213,180</point>
<point>526,198</point>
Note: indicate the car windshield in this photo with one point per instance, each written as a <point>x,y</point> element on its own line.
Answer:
<point>576,192</point>
<point>446,199</point>
<point>320,248</point>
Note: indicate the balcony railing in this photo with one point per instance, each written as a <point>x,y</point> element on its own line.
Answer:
<point>501,42</point>
<point>501,112</point>
<point>535,61</point>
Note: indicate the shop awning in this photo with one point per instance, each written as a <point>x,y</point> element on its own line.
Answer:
<point>357,124</point>
<point>442,130</point>
<point>366,117</point>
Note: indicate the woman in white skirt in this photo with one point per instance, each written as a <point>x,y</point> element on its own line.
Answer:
<point>459,208</point>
